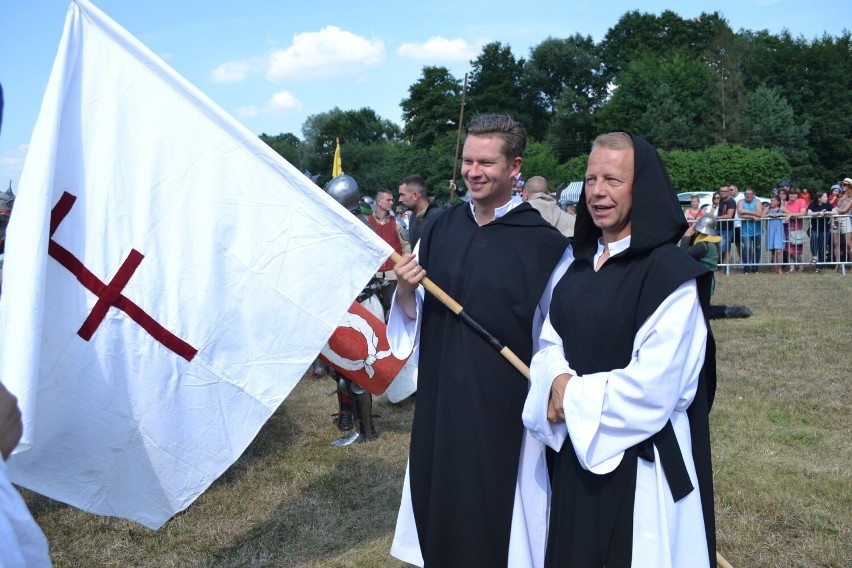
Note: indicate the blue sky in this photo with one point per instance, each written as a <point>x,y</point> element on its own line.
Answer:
<point>272,64</point>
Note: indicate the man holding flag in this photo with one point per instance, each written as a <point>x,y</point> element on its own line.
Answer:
<point>475,492</point>
<point>148,330</point>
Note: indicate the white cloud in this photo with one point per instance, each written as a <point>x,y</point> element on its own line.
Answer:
<point>282,101</point>
<point>330,52</point>
<point>236,71</point>
<point>438,49</point>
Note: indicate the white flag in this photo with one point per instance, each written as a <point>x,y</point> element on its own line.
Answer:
<point>168,279</point>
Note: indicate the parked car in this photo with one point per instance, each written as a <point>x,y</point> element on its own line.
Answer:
<point>705,198</point>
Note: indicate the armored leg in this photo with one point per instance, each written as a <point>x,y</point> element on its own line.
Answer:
<point>367,428</point>
<point>343,418</point>
<point>363,407</point>
<point>388,288</point>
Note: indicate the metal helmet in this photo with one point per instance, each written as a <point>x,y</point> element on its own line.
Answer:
<point>706,225</point>
<point>345,191</point>
<point>367,205</point>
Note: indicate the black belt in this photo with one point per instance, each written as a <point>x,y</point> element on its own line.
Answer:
<point>671,459</point>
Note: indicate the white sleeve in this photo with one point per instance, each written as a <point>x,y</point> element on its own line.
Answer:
<point>21,541</point>
<point>607,413</point>
<point>544,338</point>
<point>543,307</point>
<point>404,332</point>
<point>548,362</point>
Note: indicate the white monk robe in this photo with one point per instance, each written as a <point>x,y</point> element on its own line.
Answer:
<point>604,419</point>
<point>532,490</point>
<point>22,544</point>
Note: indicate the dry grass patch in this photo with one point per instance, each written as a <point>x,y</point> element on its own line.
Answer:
<point>780,424</point>
<point>782,443</point>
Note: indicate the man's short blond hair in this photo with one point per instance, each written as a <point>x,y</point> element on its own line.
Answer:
<point>614,141</point>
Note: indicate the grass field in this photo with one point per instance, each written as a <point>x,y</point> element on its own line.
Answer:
<point>782,443</point>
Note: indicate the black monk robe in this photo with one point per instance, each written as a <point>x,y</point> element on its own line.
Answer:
<point>467,430</point>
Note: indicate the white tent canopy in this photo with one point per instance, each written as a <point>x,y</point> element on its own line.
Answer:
<point>570,194</point>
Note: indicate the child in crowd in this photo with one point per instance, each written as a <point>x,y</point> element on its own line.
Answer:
<point>775,234</point>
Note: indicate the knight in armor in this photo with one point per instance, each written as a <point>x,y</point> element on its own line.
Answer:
<point>355,404</point>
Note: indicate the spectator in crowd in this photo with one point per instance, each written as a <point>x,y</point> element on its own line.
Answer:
<point>725,218</point>
<point>819,211</point>
<point>738,239</point>
<point>413,194</point>
<point>750,211</point>
<point>402,218</point>
<point>843,235</point>
<point>796,208</point>
<point>783,195</point>
<point>694,211</point>
<point>775,233</point>
<point>714,206</point>
<point>834,196</point>
<point>571,209</point>
<point>537,194</point>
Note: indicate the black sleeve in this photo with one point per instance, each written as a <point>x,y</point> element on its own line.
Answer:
<point>697,251</point>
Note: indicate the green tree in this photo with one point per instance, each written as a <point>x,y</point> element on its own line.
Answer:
<point>565,78</point>
<point>639,34</point>
<point>540,160</point>
<point>770,122</point>
<point>495,86</point>
<point>726,92</point>
<point>662,100</point>
<point>707,169</point>
<point>356,130</point>
<point>432,107</point>
<point>288,146</point>
<point>828,110</point>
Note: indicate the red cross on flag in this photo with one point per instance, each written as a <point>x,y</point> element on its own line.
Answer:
<point>168,279</point>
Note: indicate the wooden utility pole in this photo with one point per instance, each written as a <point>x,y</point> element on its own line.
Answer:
<point>458,142</point>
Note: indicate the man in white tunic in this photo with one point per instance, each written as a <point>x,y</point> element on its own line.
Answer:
<point>620,386</point>
<point>22,544</point>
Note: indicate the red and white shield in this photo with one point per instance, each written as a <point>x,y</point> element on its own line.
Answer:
<point>359,349</point>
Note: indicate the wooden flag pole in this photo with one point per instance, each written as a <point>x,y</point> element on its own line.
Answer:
<point>457,309</point>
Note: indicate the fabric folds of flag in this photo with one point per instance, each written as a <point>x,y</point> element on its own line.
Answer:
<point>168,279</point>
<point>337,167</point>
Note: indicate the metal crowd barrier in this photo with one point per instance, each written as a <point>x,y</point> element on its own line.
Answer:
<point>825,248</point>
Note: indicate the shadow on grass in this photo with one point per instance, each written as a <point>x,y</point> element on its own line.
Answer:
<point>278,434</point>
<point>330,517</point>
<point>39,504</point>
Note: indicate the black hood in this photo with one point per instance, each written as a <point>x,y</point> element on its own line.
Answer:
<point>656,217</point>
